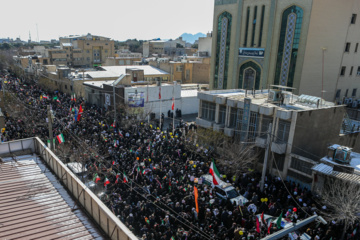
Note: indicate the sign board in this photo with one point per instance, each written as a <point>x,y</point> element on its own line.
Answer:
<point>136,100</point>
<point>252,52</point>
<point>107,99</point>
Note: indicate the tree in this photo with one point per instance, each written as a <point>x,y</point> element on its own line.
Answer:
<point>228,153</point>
<point>341,198</point>
<point>195,46</point>
<point>178,45</point>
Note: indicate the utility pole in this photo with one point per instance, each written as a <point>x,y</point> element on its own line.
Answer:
<point>262,182</point>
<point>50,126</point>
<point>160,101</point>
<point>174,107</point>
<point>114,102</point>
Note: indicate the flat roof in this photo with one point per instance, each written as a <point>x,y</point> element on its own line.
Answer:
<point>291,101</point>
<point>148,70</point>
<point>34,205</point>
<point>99,84</point>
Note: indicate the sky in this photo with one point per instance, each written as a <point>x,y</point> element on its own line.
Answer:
<point>117,19</point>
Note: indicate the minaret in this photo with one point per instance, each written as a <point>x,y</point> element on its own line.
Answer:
<point>29,41</point>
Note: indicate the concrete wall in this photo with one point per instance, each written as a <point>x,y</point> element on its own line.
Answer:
<point>201,73</point>
<point>205,45</point>
<point>316,129</point>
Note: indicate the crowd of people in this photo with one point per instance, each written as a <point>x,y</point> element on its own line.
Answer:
<point>150,173</point>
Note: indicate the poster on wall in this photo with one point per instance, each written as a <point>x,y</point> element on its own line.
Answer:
<point>136,100</point>
<point>107,99</point>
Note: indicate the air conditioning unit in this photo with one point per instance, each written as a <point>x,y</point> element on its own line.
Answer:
<point>274,95</point>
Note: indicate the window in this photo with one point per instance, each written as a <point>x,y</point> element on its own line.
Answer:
<point>265,126</point>
<point>279,160</point>
<point>106,50</point>
<point>301,166</point>
<point>343,69</point>
<point>65,86</point>
<point>354,92</point>
<point>261,25</point>
<point>88,58</point>
<point>283,132</point>
<point>353,18</point>
<point>222,114</point>
<point>358,71</point>
<point>178,68</point>
<point>347,47</point>
<point>71,88</point>
<point>351,70</point>
<point>233,113</point>
<point>356,47</point>
<point>87,51</point>
<point>208,110</point>
<point>254,27</point>
<point>346,92</point>
<point>247,26</point>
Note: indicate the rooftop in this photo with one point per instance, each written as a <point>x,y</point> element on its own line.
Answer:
<point>328,170</point>
<point>67,44</point>
<point>148,70</point>
<point>34,205</point>
<point>99,84</point>
<point>269,98</point>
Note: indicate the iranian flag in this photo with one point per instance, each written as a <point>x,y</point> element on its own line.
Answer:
<point>215,173</point>
<point>125,178</point>
<point>117,177</point>
<point>96,178</point>
<point>106,182</point>
<point>173,104</point>
<point>60,138</point>
<point>45,97</point>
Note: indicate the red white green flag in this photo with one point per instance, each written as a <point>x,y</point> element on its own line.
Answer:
<point>106,182</point>
<point>96,178</point>
<point>60,138</point>
<point>125,178</point>
<point>215,173</point>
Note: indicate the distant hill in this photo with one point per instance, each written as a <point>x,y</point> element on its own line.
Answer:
<point>191,38</point>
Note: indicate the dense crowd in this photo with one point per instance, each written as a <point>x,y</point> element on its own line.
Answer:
<point>150,173</point>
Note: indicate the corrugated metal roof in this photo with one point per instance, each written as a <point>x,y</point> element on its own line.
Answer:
<point>34,205</point>
<point>328,170</point>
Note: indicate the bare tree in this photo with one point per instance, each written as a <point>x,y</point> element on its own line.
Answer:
<point>233,157</point>
<point>342,199</point>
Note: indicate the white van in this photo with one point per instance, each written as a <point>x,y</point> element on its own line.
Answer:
<point>225,191</point>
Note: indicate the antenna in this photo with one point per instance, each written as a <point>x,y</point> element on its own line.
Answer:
<point>29,37</point>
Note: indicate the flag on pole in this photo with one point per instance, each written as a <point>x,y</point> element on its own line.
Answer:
<point>60,138</point>
<point>96,178</point>
<point>117,177</point>
<point>106,182</point>
<point>196,194</point>
<point>353,233</point>
<point>125,179</point>
<point>269,228</point>
<point>159,92</point>
<point>80,113</point>
<point>45,97</point>
<point>278,221</point>
<point>113,125</point>
<point>257,225</point>
<point>48,141</point>
<point>145,171</point>
<point>173,104</point>
<point>215,173</point>
<point>262,219</point>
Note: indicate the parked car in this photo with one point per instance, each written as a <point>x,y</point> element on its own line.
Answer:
<point>225,191</point>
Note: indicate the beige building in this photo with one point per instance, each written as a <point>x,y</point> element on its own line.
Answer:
<point>310,45</point>
<point>82,51</point>
<point>188,70</point>
<point>123,58</point>
<point>153,47</point>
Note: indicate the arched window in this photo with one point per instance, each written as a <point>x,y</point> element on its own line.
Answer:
<point>249,76</point>
<point>288,46</point>
<point>222,50</point>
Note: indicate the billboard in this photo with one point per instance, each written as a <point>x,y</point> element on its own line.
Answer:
<point>252,52</point>
<point>136,100</point>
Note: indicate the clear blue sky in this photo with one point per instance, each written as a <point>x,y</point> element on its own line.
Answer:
<point>117,19</point>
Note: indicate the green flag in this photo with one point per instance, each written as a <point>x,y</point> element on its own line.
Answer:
<point>278,221</point>
<point>55,98</point>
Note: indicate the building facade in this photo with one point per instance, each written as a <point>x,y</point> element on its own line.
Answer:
<point>301,126</point>
<point>295,43</point>
<point>82,51</point>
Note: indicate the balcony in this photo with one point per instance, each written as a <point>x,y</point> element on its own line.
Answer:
<point>229,132</point>
<point>260,142</point>
<point>218,127</point>
<point>278,147</point>
<point>204,123</point>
